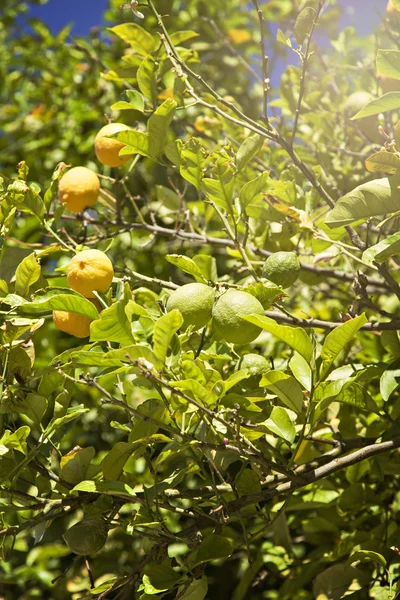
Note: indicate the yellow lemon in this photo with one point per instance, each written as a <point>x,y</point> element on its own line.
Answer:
<point>107,149</point>
<point>78,188</point>
<point>72,323</point>
<point>90,271</point>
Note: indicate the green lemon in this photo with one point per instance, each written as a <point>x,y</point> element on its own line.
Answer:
<point>86,537</point>
<point>194,301</point>
<point>255,364</point>
<point>368,125</point>
<point>282,268</point>
<point>227,313</point>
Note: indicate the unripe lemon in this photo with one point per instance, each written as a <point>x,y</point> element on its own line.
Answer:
<point>194,301</point>
<point>368,125</point>
<point>107,149</point>
<point>90,271</point>
<point>282,268</point>
<point>72,323</point>
<point>255,364</point>
<point>227,313</point>
<point>86,537</point>
<point>78,188</point>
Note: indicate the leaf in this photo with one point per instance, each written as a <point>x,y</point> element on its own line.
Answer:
<point>74,465</point>
<point>295,337</point>
<point>113,325</point>
<point>192,162</point>
<point>212,548</point>
<point>220,189</point>
<point>178,37</point>
<point>383,162</point>
<point>301,370</point>
<point>387,102</point>
<point>389,382</point>
<point>164,329</point>
<point>252,189</point>
<point>111,488</point>
<point>356,395</point>
<point>142,41</point>
<point>26,274</point>
<point>247,482</point>
<point>66,300</point>
<point>337,339</point>
<point>113,463</point>
<point>136,142</point>
<point>338,581</point>
<point>135,99</point>
<point>367,555</point>
<point>285,387</point>
<point>207,265</point>
<point>388,63</point>
<point>304,24</point>
<point>72,413</point>
<point>146,78</point>
<point>382,251</point>
<point>266,292</point>
<point>157,126</point>
<point>370,199</point>
<point>16,440</point>
<point>248,150</point>
<point>186,264</point>
<point>159,578</point>
<point>281,37</point>
<point>197,590</point>
<point>280,423</point>
<point>33,406</point>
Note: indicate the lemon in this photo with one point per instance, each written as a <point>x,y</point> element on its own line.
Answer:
<point>90,271</point>
<point>72,323</point>
<point>86,537</point>
<point>368,125</point>
<point>282,268</point>
<point>107,149</point>
<point>78,188</point>
<point>194,301</point>
<point>255,364</point>
<point>227,313</point>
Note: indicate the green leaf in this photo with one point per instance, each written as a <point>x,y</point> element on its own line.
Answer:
<point>337,339</point>
<point>72,413</point>
<point>197,590</point>
<point>178,37</point>
<point>160,577</point>
<point>281,424</point>
<point>285,387</point>
<point>146,78</point>
<point>301,370</point>
<point>304,24</point>
<point>388,63</point>
<point>192,162</point>
<point>265,291</point>
<point>377,197</point>
<point>387,102</point>
<point>367,555</point>
<point>382,251</point>
<point>136,142</point>
<point>16,440</point>
<point>220,189</point>
<point>113,325</point>
<point>164,329</point>
<point>383,162</point>
<point>247,482</point>
<point>27,273</point>
<point>135,99</point>
<point>212,548</point>
<point>338,581</point>
<point>248,150</point>
<point>140,40</point>
<point>186,264</point>
<point>356,395</point>
<point>295,337</point>
<point>113,463</point>
<point>74,465</point>
<point>157,126</point>
<point>252,189</point>
<point>207,265</point>
<point>281,37</point>
<point>66,300</point>
<point>110,488</point>
<point>34,407</point>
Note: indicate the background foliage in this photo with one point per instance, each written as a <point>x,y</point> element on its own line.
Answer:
<point>214,483</point>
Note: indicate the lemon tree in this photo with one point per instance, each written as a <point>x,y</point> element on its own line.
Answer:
<point>199,293</point>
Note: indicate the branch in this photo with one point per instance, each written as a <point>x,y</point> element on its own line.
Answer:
<point>318,324</point>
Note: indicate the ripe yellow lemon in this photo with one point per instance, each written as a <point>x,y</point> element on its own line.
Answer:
<point>72,323</point>
<point>107,149</point>
<point>194,301</point>
<point>78,188</point>
<point>90,271</point>
<point>227,313</point>
<point>282,268</point>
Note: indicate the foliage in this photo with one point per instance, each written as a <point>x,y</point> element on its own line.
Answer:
<point>191,475</point>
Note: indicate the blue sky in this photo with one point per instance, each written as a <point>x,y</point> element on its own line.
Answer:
<point>84,14</point>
